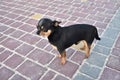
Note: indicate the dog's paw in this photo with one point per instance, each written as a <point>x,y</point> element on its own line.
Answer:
<point>63,61</point>
<point>83,48</point>
<point>86,56</point>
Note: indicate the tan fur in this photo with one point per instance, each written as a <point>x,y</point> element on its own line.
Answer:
<point>54,47</point>
<point>87,49</point>
<point>63,57</point>
<point>45,34</point>
<point>83,48</point>
<point>59,56</point>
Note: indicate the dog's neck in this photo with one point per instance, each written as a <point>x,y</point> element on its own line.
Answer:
<point>55,29</point>
<point>55,34</point>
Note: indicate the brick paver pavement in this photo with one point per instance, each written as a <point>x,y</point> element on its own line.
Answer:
<point>26,56</point>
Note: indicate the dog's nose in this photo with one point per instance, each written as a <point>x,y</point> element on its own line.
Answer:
<point>38,32</point>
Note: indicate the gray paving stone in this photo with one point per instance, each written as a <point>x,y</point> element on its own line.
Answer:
<point>5,73</point>
<point>17,34</point>
<point>3,38</point>
<point>114,62</point>
<point>78,57</point>
<point>81,77</point>
<point>42,43</point>
<point>24,49</point>
<point>115,24</point>
<point>96,59</point>
<point>14,61</point>
<point>4,55</point>
<point>106,42</point>
<point>41,56</point>
<point>11,43</point>
<point>9,31</point>
<point>111,33</point>
<point>117,16</point>
<point>59,77</point>
<point>117,44</point>
<point>90,70</point>
<point>102,50</point>
<point>2,49</point>
<point>49,75</point>
<point>3,28</point>
<point>17,77</point>
<point>68,69</point>
<point>70,52</point>
<point>29,38</point>
<point>109,74</point>
<point>116,51</point>
<point>27,28</point>
<point>31,70</point>
<point>116,21</point>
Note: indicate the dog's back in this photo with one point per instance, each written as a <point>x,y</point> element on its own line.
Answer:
<point>80,32</point>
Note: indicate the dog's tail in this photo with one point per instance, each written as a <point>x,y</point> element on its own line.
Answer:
<point>96,35</point>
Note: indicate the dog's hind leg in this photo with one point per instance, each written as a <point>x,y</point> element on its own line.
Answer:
<point>87,49</point>
<point>83,48</point>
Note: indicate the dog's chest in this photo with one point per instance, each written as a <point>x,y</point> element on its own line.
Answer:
<point>54,46</point>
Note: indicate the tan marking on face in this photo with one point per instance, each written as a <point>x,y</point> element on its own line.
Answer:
<point>45,34</point>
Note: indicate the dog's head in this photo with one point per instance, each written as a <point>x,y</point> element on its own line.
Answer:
<point>45,26</point>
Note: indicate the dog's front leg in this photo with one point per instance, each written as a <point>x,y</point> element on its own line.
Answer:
<point>55,47</point>
<point>63,57</point>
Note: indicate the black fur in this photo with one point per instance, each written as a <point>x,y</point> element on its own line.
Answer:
<point>64,37</point>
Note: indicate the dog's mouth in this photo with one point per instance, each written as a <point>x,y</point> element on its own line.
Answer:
<point>44,34</point>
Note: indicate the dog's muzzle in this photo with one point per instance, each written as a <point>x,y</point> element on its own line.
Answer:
<point>38,32</point>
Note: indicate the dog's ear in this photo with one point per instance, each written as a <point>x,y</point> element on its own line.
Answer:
<point>56,23</point>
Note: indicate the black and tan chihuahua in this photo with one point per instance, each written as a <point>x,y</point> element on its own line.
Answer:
<point>64,37</point>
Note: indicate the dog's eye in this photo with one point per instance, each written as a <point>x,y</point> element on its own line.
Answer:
<point>41,27</point>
